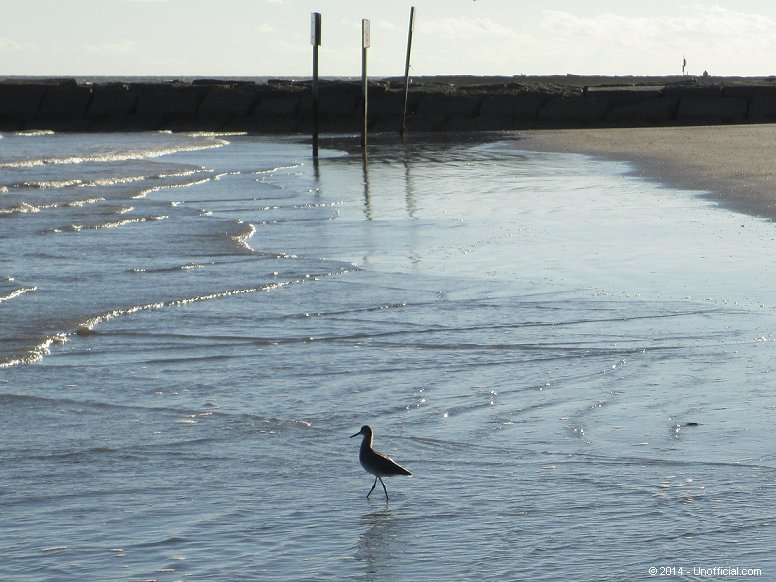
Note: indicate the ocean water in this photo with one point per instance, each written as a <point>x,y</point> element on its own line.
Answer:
<point>576,364</point>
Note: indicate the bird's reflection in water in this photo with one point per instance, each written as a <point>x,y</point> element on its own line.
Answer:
<point>382,541</point>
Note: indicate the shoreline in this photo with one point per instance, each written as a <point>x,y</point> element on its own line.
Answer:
<point>711,134</point>
<point>731,164</point>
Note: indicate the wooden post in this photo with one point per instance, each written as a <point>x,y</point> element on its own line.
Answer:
<point>364,81</point>
<point>403,127</point>
<point>315,40</point>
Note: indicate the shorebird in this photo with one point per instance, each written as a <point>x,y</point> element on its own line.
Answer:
<point>376,463</point>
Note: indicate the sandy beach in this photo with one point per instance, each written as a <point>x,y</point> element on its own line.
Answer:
<point>733,163</point>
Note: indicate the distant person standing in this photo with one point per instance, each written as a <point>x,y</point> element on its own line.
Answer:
<point>684,65</point>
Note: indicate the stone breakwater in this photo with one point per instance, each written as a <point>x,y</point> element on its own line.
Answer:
<point>435,104</point>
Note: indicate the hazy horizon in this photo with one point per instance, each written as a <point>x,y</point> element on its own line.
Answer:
<point>270,38</point>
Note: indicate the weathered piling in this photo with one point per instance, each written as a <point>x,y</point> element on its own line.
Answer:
<point>403,127</point>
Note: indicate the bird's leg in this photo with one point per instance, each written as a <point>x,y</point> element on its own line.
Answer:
<point>384,489</point>
<point>373,487</point>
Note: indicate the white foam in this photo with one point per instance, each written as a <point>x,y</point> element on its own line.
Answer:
<point>113,157</point>
<point>34,132</point>
<point>26,208</point>
<point>51,184</point>
<point>23,208</point>
<point>278,168</point>
<point>37,353</point>
<point>85,201</point>
<point>89,324</point>
<point>109,224</point>
<point>147,191</point>
<point>243,238</point>
<point>16,293</point>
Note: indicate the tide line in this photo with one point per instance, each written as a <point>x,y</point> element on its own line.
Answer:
<point>85,328</point>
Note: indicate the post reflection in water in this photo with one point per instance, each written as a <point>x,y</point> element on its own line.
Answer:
<point>410,190</point>
<point>367,200</point>
<point>409,187</point>
<point>316,169</point>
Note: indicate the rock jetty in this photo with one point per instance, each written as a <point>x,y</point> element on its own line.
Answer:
<point>446,104</point>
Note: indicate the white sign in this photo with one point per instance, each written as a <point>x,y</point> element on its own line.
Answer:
<point>365,33</point>
<point>315,29</point>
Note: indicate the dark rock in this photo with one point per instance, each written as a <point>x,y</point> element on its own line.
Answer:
<point>385,108</point>
<point>228,101</point>
<point>60,124</point>
<point>283,105</point>
<point>20,103</point>
<point>658,110</point>
<point>66,101</point>
<point>351,88</point>
<point>182,123</point>
<point>332,105</point>
<point>693,91</point>
<point>112,100</point>
<point>523,105</point>
<point>574,110</point>
<point>128,122</point>
<point>217,122</point>
<point>421,123</point>
<point>449,105</point>
<point>483,123</point>
<point>224,83</point>
<point>711,109</point>
<point>118,122</point>
<point>166,100</point>
<point>331,125</point>
<point>259,124</point>
<point>618,96</point>
<point>746,92</point>
<point>763,107</point>
<point>434,104</point>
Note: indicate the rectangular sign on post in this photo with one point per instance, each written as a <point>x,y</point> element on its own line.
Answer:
<point>315,29</point>
<point>315,40</point>
<point>365,33</point>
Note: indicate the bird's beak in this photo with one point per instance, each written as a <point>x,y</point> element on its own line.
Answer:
<point>355,435</point>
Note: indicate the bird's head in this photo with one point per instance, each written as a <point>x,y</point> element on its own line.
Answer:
<point>366,430</point>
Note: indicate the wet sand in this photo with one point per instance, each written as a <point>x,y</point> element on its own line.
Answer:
<point>735,164</point>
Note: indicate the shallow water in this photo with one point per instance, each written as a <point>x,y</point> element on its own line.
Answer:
<point>575,364</point>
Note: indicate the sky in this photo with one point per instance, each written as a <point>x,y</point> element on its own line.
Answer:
<point>222,38</point>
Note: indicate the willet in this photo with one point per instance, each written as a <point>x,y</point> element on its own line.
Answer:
<point>375,463</point>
